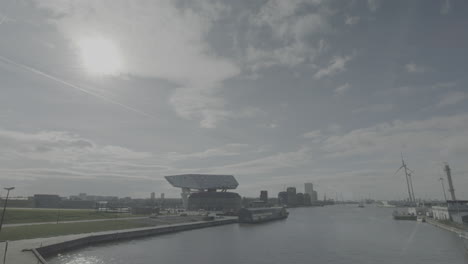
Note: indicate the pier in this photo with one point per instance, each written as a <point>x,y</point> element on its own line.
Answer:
<point>31,251</point>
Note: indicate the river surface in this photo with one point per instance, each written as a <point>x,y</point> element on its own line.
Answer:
<point>332,234</point>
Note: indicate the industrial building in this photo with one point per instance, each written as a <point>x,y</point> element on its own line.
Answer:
<point>457,211</point>
<point>200,191</point>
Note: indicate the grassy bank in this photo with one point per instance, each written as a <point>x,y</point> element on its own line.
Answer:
<point>18,216</point>
<point>452,224</point>
<point>50,230</point>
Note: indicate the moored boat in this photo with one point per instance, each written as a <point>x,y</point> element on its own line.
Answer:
<point>403,216</point>
<point>258,215</point>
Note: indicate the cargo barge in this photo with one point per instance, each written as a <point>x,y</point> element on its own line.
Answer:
<point>404,216</point>
<point>259,215</point>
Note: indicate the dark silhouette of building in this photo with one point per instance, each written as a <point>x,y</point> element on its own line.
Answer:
<point>47,200</point>
<point>283,198</point>
<point>264,196</point>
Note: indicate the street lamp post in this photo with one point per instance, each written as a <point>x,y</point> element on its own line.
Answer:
<point>5,205</point>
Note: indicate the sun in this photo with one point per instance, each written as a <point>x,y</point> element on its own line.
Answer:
<point>100,56</point>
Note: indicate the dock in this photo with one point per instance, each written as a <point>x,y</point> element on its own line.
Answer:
<point>33,251</point>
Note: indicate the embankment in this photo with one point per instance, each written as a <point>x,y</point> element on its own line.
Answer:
<point>104,237</point>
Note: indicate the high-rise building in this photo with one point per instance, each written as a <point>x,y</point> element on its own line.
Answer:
<point>153,196</point>
<point>291,190</point>
<point>314,196</point>
<point>292,197</point>
<point>308,188</point>
<point>264,196</point>
<point>283,198</point>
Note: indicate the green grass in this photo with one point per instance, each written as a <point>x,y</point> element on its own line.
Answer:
<point>50,230</point>
<point>18,216</point>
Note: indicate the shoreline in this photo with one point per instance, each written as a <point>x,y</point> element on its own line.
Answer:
<point>460,232</point>
<point>28,251</point>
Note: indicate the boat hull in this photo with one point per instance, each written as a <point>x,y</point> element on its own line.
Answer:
<point>260,215</point>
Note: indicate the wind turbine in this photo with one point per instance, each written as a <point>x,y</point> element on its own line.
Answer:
<point>443,187</point>
<point>409,182</point>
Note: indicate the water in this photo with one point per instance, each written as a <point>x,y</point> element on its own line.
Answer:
<point>333,234</point>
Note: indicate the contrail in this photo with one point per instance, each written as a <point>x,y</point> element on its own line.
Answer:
<point>48,76</point>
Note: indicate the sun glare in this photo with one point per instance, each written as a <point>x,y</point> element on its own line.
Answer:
<point>100,56</point>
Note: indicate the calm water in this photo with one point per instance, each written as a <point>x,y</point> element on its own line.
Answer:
<point>334,234</point>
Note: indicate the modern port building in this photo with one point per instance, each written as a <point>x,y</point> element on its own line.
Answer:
<point>207,191</point>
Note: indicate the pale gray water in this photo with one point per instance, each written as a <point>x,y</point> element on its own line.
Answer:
<point>334,234</point>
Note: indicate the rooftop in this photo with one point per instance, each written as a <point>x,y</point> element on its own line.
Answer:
<point>203,181</point>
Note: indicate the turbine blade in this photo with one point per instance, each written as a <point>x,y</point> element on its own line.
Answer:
<point>398,170</point>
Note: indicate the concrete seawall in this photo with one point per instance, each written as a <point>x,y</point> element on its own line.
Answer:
<point>53,249</point>
<point>22,253</point>
<point>460,232</point>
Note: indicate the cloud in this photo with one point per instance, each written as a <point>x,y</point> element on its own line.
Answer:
<point>352,20</point>
<point>313,134</point>
<point>161,41</point>
<point>451,99</point>
<point>444,85</point>
<point>446,7</point>
<point>379,108</point>
<point>438,134</point>
<point>373,5</point>
<point>413,68</point>
<point>233,149</point>
<point>268,164</point>
<point>316,136</point>
<point>336,65</point>
<point>289,32</point>
<point>342,89</point>
<point>46,154</point>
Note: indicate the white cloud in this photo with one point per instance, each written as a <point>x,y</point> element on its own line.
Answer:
<point>373,5</point>
<point>313,134</point>
<point>352,20</point>
<point>232,149</point>
<point>438,134</point>
<point>379,108</point>
<point>444,85</point>
<point>316,136</point>
<point>46,154</point>
<point>413,68</point>
<point>292,29</point>
<point>268,164</point>
<point>342,89</point>
<point>451,99</point>
<point>336,65</point>
<point>446,7</point>
<point>160,41</point>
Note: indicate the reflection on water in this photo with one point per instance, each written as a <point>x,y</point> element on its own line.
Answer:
<point>334,234</point>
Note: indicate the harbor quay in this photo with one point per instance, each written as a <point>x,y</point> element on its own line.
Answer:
<point>32,251</point>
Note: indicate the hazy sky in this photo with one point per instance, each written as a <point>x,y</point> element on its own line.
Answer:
<point>107,97</point>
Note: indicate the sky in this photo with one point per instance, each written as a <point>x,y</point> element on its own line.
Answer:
<point>108,97</point>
